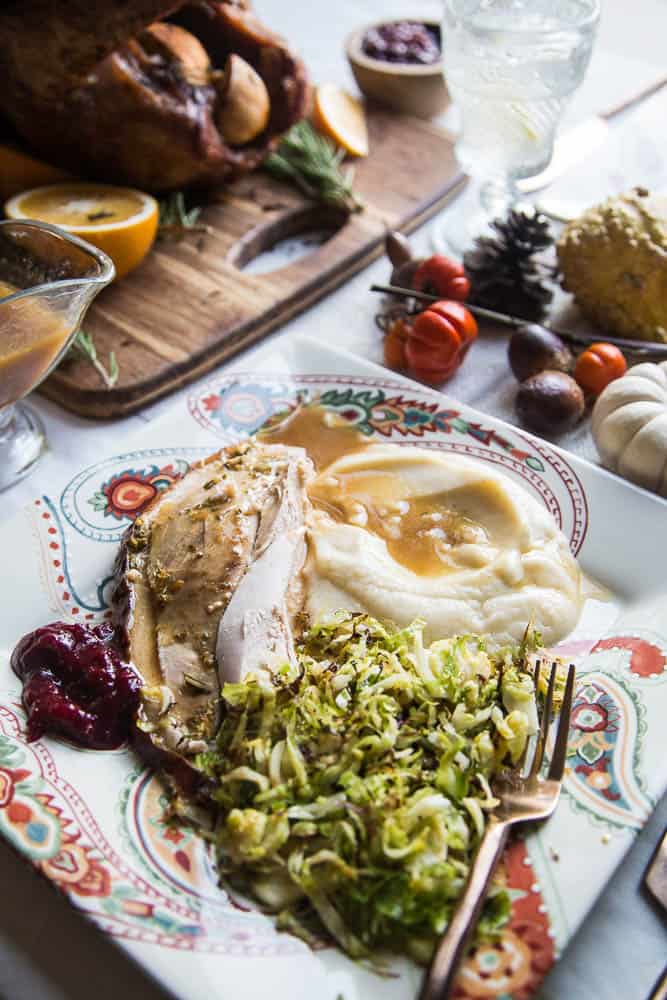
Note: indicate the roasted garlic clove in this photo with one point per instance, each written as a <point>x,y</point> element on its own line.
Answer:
<point>183,48</point>
<point>244,104</point>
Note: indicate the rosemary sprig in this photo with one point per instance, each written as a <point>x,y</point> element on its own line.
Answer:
<point>84,346</point>
<point>176,219</point>
<point>308,160</point>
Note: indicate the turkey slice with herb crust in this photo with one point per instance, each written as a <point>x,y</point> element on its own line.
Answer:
<point>208,580</point>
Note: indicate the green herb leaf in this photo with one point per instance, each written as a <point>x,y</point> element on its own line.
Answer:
<point>311,162</point>
<point>176,218</point>
<point>114,370</point>
<point>84,346</point>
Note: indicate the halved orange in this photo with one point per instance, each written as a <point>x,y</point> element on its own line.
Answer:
<point>121,221</point>
<point>340,116</point>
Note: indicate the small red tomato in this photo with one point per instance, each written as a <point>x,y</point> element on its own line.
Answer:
<point>599,365</point>
<point>439,275</point>
<point>439,340</point>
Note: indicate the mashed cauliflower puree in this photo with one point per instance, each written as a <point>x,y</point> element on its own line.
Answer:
<point>405,533</point>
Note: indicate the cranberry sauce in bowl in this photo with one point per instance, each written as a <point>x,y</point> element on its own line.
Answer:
<point>402,42</point>
<point>76,685</point>
<point>399,65</point>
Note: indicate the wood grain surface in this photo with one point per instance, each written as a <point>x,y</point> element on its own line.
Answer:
<point>190,305</point>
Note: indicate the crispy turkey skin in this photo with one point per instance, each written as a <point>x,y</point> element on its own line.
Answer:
<point>93,89</point>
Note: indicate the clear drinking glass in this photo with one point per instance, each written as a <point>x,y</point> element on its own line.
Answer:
<point>48,278</point>
<point>511,66</point>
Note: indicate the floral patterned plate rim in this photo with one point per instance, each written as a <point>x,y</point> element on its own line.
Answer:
<point>93,823</point>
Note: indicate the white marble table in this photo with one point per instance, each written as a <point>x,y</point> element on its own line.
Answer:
<point>47,952</point>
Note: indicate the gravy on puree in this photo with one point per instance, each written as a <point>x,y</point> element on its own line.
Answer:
<point>325,435</point>
<point>31,336</point>
<point>429,535</point>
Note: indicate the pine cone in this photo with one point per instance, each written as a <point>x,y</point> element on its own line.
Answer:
<point>502,270</point>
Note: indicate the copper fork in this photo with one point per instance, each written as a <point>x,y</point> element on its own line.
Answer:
<point>522,800</point>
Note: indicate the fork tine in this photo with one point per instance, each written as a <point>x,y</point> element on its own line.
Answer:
<point>536,675</point>
<point>557,766</point>
<point>544,726</point>
<point>536,685</point>
<point>521,764</point>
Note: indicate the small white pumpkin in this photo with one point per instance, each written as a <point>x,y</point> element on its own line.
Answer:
<point>630,426</point>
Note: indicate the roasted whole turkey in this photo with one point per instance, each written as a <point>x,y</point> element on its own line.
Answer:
<point>146,92</point>
<point>209,586</point>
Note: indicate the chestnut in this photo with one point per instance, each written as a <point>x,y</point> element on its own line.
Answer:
<point>397,248</point>
<point>403,263</point>
<point>534,349</point>
<point>550,402</point>
<point>403,276</point>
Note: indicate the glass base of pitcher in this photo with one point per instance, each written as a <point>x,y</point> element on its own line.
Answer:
<point>22,444</point>
<point>453,236</point>
<point>471,218</point>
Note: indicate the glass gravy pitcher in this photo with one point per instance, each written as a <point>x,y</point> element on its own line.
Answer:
<point>48,278</point>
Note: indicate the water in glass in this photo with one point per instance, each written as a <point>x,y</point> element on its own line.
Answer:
<point>511,66</point>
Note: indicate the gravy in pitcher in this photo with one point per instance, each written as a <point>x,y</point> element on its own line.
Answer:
<point>31,337</point>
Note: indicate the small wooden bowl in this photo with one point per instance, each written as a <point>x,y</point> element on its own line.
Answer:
<point>412,89</point>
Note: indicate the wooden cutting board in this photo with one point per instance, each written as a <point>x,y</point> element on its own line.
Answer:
<point>191,306</point>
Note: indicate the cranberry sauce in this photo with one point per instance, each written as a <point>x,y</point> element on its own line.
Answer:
<point>75,684</point>
<point>402,42</point>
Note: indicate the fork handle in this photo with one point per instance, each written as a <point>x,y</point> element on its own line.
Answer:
<point>440,977</point>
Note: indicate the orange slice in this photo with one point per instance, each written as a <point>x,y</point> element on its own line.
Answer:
<point>341,117</point>
<point>121,221</point>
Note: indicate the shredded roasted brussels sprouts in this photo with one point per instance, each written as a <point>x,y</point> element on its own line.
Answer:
<point>350,793</point>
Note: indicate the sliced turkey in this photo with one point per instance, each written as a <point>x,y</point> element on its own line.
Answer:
<point>208,587</point>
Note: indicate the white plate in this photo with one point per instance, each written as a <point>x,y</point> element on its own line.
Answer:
<point>92,821</point>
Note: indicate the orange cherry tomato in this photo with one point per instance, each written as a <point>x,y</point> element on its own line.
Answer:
<point>439,340</point>
<point>442,276</point>
<point>599,365</point>
<point>395,340</point>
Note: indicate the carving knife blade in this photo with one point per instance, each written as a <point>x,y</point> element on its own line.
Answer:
<point>656,883</point>
<point>581,140</point>
<point>656,873</point>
